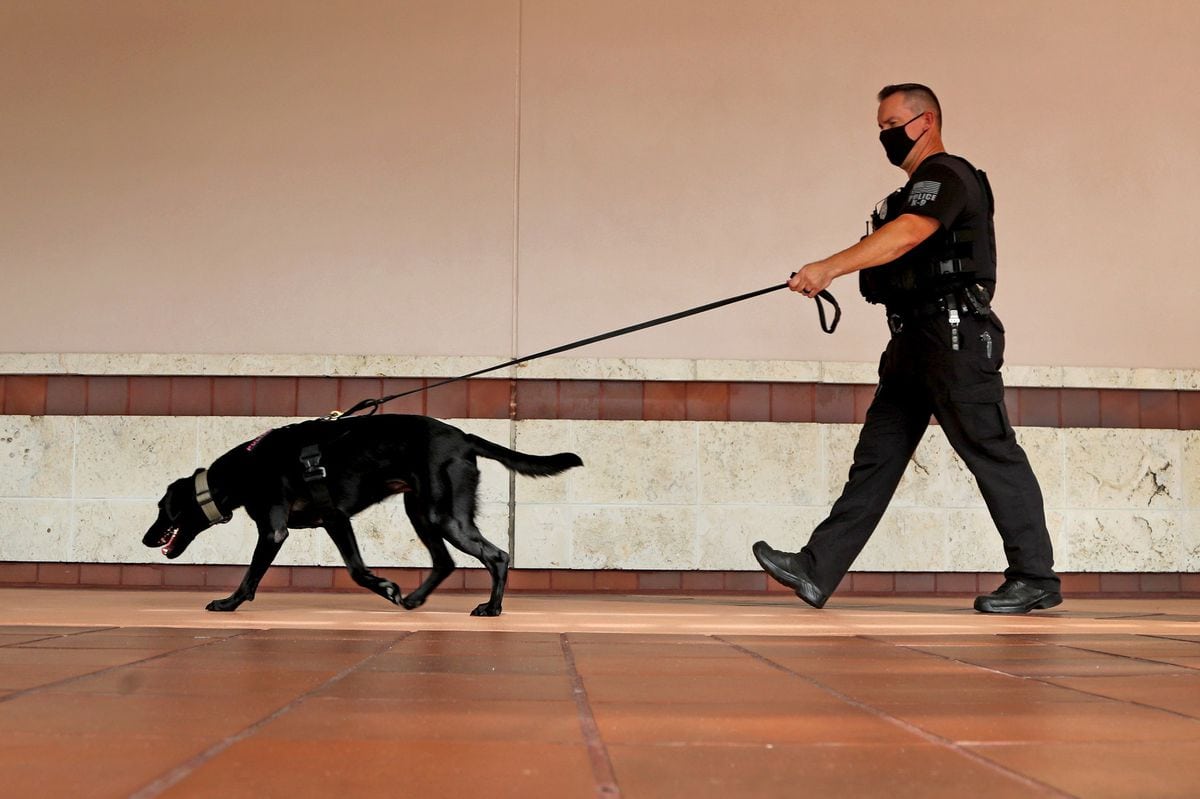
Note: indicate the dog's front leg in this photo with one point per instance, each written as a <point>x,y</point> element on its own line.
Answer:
<point>342,533</point>
<point>270,540</point>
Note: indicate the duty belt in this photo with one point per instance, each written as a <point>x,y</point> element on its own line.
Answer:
<point>899,315</point>
<point>972,299</point>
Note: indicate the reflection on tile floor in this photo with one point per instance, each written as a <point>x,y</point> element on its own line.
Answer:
<point>116,694</point>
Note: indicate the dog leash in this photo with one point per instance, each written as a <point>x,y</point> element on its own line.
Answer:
<point>828,327</point>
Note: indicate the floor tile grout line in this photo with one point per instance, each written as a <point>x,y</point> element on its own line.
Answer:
<point>602,769</point>
<point>68,680</point>
<point>1135,658</point>
<point>1127,616</point>
<point>904,725</point>
<point>1122,655</point>
<point>185,769</point>
<point>1166,637</point>
<point>52,636</point>
<point>116,629</point>
<point>1048,680</point>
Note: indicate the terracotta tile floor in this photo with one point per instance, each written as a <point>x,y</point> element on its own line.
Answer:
<point>143,694</point>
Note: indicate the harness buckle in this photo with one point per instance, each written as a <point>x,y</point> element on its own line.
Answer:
<point>315,475</point>
<point>313,470</point>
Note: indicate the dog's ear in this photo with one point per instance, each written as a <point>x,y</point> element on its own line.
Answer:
<point>166,502</point>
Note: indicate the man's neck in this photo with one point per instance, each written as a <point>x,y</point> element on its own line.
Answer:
<point>932,148</point>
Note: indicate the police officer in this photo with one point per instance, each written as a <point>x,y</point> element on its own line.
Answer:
<point>930,259</point>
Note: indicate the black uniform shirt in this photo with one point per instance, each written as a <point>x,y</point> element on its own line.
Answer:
<point>946,188</point>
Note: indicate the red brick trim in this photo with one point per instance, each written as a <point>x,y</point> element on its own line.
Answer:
<point>482,398</point>
<point>576,581</point>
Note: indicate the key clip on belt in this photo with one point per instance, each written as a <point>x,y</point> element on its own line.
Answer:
<point>955,320</point>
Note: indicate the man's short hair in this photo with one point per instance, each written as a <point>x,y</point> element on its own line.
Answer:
<point>917,91</point>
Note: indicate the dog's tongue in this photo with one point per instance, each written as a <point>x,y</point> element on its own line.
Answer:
<point>166,550</point>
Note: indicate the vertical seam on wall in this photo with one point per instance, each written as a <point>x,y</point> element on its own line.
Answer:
<point>73,516</point>
<point>823,478</point>
<point>698,502</point>
<point>570,513</point>
<point>516,283</point>
<point>516,250</point>
<point>1064,502</point>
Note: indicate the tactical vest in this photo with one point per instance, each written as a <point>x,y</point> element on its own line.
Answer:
<point>945,262</point>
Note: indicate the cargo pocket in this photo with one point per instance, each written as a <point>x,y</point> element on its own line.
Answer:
<point>980,408</point>
<point>991,345</point>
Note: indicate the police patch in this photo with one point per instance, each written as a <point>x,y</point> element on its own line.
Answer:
<point>924,191</point>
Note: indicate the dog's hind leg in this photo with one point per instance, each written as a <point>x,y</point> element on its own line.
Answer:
<point>424,522</point>
<point>464,535</point>
<point>268,546</point>
<point>459,529</point>
<point>342,533</point>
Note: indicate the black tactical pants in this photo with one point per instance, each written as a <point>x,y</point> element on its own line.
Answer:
<point>921,375</point>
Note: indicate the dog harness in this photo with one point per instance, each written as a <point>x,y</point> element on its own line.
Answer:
<point>315,474</point>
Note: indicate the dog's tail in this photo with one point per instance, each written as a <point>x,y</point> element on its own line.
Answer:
<point>519,462</point>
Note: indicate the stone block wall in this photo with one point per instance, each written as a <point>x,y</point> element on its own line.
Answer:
<point>680,476</point>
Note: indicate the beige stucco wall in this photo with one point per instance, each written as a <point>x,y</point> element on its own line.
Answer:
<point>652,495</point>
<point>474,177</point>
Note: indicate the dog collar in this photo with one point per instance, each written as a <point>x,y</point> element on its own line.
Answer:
<point>205,498</point>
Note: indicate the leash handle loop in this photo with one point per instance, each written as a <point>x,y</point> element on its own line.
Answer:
<point>837,311</point>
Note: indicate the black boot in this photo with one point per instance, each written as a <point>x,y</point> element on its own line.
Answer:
<point>1016,596</point>
<point>785,567</point>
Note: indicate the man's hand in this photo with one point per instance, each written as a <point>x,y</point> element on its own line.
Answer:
<point>812,279</point>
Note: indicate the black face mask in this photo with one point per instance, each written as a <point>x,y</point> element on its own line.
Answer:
<point>896,143</point>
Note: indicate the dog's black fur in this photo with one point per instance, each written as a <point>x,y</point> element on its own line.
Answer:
<point>367,460</point>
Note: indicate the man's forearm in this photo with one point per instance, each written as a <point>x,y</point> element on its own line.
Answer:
<point>884,245</point>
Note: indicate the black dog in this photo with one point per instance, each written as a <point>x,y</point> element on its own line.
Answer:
<point>322,472</point>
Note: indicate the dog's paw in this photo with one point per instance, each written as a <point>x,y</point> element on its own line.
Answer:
<point>412,603</point>
<point>391,592</point>
<point>222,605</point>
<point>486,610</point>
